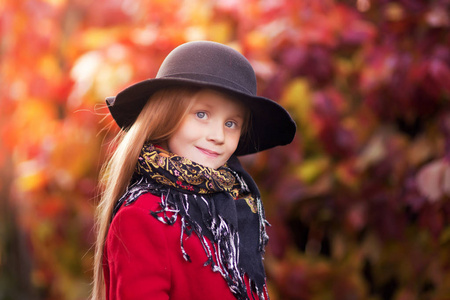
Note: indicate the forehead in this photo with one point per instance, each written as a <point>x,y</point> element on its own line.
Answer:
<point>216,100</point>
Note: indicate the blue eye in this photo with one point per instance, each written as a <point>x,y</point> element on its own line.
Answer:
<point>230,124</point>
<point>201,115</point>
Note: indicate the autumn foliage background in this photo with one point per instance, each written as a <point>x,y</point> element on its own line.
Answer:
<point>359,202</point>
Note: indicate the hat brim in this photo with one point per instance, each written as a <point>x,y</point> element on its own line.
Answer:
<point>270,124</point>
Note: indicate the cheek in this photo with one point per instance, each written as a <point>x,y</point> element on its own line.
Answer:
<point>234,141</point>
<point>178,139</point>
<point>184,132</point>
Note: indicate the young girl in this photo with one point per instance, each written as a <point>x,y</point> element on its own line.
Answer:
<point>179,217</point>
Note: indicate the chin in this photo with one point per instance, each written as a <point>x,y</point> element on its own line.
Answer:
<point>212,165</point>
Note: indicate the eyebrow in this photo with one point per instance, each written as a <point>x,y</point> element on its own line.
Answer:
<point>240,114</point>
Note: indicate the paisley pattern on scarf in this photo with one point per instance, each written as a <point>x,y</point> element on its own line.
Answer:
<point>181,173</point>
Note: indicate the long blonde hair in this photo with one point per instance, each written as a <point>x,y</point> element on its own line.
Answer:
<point>158,120</point>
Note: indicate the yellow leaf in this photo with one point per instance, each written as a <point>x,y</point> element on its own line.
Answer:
<point>221,31</point>
<point>48,66</point>
<point>199,13</point>
<point>257,40</point>
<point>97,38</point>
<point>34,120</point>
<point>31,176</point>
<point>312,168</point>
<point>297,98</point>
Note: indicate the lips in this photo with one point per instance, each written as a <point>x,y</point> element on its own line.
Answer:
<point>208,152</point>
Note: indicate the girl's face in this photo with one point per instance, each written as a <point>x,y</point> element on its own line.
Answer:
<point>210,132</point>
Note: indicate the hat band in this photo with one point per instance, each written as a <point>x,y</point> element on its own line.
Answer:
<point>207,79</point>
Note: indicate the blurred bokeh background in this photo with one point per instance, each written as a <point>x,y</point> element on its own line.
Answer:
<point>359,202</point>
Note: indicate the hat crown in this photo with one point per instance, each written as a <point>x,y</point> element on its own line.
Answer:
<point>210,62</point>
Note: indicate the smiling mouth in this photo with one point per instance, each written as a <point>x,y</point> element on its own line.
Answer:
<point>208,152</point>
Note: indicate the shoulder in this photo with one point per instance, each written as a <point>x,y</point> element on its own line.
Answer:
<point>136,217</point>
<point>134,229</point>
<point>145,203</point>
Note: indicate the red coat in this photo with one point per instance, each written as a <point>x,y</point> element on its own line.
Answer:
<point>143,259</point>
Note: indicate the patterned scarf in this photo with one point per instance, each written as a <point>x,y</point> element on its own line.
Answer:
<point>222,205</point>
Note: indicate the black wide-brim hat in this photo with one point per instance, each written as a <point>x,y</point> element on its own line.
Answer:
<point>215,66</point>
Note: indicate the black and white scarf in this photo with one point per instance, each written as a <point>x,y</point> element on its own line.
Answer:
<point>222,205</point>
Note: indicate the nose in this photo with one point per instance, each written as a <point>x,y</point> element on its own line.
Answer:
<point>216,133</point>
